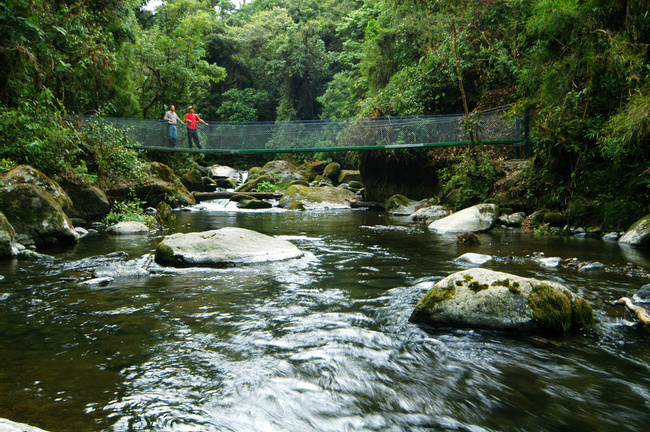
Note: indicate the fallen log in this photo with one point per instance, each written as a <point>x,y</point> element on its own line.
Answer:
<point>206,196</point>
<point>638,311</point>
<point>368,204</point>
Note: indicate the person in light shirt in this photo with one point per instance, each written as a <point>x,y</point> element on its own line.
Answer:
<point>192,133</point>
<point>171,118</point>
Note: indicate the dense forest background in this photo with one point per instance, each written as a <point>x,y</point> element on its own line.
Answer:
<point>579,67</point>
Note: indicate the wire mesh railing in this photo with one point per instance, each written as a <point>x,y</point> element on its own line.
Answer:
<point>490,127</point>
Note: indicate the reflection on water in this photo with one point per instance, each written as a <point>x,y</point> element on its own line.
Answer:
<point>319,343</point>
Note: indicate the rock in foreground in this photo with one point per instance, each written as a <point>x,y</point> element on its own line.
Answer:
<point>225,247</point>
<point>485,299</point>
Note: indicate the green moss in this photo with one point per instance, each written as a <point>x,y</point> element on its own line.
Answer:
<point>468,277</point>
<point>551,308</point>
<point>164,254</point>
<point>435,295</point>
<point>513,287</point>
<point>582,315</point>
<point>477,287</point>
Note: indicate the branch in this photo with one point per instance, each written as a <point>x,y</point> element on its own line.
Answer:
<point>638,311</point>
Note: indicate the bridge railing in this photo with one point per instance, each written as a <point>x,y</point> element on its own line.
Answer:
<point>491,127</point>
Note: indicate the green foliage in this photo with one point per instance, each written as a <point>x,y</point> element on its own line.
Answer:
<point>129,211</point>
<point>242,105</point>
<point>266,186</point>
<point>469,178</point>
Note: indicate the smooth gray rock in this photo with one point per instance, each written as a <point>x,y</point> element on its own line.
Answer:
<point>638,234</point>
<point>128,228</point>
<point>225,247</point>
<point>10,426</point>
<point>477,218</point>
<point>551,261</point>
<point>473,259</point>
<point>430,214</point>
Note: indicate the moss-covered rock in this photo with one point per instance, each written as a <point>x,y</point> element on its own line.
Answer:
<point>480,298</point>
<point>89,203</point>
<point>399,205</point>
<point>29,175</point>
<point>477,218</point>
<point>333,172</point>
<point>7,234</point>
<point>302,197</point>
<point>254,204</point>
<point>193,181</point>
<point>349,176</point>
<point>638,234</point>
<point>36,216</point>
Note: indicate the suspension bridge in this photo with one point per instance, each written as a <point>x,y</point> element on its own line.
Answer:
<point>488,127</point>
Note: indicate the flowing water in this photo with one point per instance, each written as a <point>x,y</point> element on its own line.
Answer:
<point>320,343</point>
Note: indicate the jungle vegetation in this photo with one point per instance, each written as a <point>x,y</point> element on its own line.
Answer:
<point>581,68</point>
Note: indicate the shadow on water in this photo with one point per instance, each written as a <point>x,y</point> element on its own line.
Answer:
<point>318,343</point>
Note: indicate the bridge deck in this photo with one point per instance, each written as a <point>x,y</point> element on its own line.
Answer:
<point>329,135</point>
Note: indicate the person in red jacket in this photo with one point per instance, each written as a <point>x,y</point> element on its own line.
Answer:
<point>192,133</point>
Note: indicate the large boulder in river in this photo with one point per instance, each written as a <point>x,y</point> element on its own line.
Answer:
<point>88,202</point>
<point>29,175</point>
<point>486,299</point>
<point>36,216</point>
<point>477,218</point>
<point>161,186</point>
<point>278,172</point>
<point>225,247</point>
<point>11,426</point>
<point>223,172</point>
<point>193,181</point>
<point>638,234</point>
<point>299,197</point>
<point>7,234</point>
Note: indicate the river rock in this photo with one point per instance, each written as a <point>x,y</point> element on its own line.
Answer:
<point>473,259</point>
<point>351,177</point>
<point>643,295</point>
<point>225,247</point>
<point>299,197</point>
<point>333,172</point>
<point>513,220</point>
<point>193,181</point>
<point>7,234</point>
<point>550,262</point>
<point>430,214</point>
<point>638,234</point>
<point>128,228</point>
<point>36,216</point>
<point>120,271</point>
<point>88,202</point>
<point>10,426</point>
<point>399,205</point>
<point>25,174</point>
<point>486,299</point>
<point>223,172</point>
<point>477,218</point>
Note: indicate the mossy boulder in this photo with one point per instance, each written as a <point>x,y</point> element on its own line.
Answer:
<point>638,234</point>
<point>333,171</point>
<point>36,216</point>
<point>486,299</point>
<point>7,234</point>
<point>161,186</point>
<point>253,183</point>
<point>193,181</point>
<point>303,197</point>
<point>29,175</point>
<point>399,205</point>
<point>254,204</point>
<point>349,176</point>
<point>225,247</point>
<point>88,202</point>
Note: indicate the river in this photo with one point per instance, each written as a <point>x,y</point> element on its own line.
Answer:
<point>320,343</point>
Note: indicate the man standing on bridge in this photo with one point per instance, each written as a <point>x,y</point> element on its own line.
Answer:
<point>192,133</point>
<point>171,117</point>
